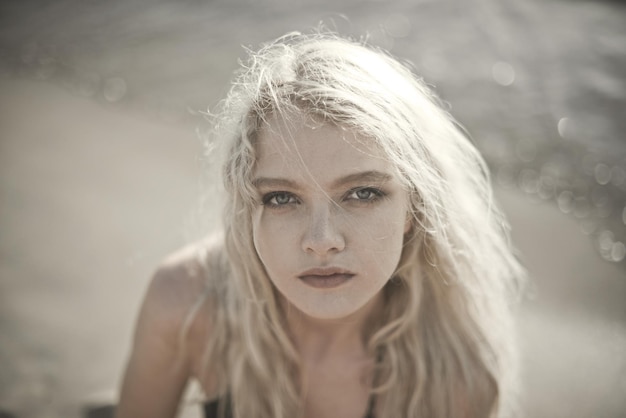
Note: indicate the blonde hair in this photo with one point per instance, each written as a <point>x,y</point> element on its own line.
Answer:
<point>445,340</point>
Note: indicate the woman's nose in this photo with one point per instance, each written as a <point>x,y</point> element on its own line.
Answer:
<point>323,234</point>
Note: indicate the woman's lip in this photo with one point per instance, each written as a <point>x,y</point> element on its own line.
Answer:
<point>326,281</point>
<point>326,277</point>
<point>325,271</point>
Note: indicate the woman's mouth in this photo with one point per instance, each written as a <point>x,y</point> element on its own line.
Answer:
<point>326,277</point>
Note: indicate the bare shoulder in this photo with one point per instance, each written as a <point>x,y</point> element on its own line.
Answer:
<point>174,311</point>
<point>182,282</point>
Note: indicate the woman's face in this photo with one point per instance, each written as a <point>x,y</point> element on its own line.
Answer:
<point>332,216</point>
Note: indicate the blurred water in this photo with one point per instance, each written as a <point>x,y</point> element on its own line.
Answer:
<point>99,166</point>
<point>540,85</point>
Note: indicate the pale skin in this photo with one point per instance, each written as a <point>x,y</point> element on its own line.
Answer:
<point>327,200</point>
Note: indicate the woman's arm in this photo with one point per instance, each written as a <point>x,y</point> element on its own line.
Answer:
<point>159,368</point>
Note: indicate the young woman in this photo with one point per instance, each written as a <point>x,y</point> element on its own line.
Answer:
<point>363,269</point>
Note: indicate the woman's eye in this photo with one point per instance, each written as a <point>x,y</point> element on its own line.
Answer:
<point>278,199</point>
<point>367,194</point>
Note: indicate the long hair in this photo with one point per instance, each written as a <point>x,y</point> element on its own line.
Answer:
<point>445,339</point>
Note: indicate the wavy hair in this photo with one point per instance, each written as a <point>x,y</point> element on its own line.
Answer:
<point>445,339</point>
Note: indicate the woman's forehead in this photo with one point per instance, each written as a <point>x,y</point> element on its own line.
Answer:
<point>313,148</point>
<point>310,136</point>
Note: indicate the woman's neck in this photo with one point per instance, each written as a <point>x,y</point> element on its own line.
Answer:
<point>322,340</point>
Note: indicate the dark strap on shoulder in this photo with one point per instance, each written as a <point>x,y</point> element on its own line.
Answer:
<point>371,404</point>
<point>212,408</point>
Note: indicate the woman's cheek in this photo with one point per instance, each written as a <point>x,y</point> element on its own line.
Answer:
<point>272,231</point>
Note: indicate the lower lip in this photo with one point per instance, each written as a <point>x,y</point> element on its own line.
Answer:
<point>326,282</point>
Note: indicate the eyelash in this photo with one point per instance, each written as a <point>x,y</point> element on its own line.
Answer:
<point>375,195</point>
<point>266,200</point>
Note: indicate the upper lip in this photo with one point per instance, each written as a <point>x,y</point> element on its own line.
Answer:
<point>325,271</point>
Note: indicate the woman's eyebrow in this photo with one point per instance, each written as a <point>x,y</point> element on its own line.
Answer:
<point>270,182</point>
<point>371,176</point>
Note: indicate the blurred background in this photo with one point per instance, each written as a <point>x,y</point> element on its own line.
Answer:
<point>102,170</point>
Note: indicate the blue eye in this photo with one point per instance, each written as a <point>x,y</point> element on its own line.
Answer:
<point>365,194</point>
<point>277,199</point>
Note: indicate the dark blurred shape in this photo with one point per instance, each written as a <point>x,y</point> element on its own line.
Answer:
<point>5,414</point>
<point>97,411</point>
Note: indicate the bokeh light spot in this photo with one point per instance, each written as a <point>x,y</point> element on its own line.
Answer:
<point>528,179</point>
<point>618,251</point>
<point>503,73</point>
<point>114,89</point>
<point>605,240</point>
<point>566,201</point>
<point>564,126</point>
<point>602,173</point>
<point>547,187</point>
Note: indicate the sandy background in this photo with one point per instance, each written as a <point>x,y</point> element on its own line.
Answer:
<point>101,170</point>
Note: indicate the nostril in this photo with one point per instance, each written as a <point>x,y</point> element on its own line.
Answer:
<point>323,236</point>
